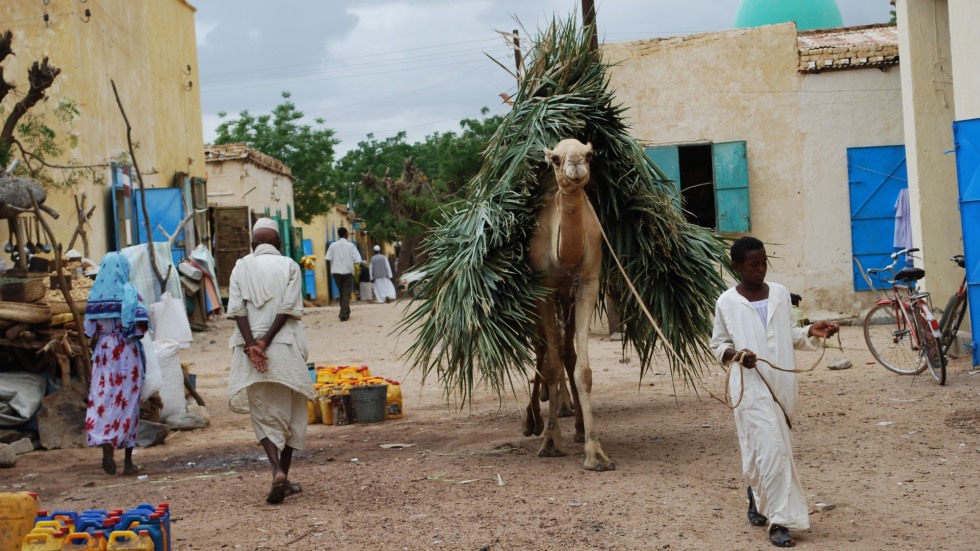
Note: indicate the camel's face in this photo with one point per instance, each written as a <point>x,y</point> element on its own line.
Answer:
<point>570,159</point>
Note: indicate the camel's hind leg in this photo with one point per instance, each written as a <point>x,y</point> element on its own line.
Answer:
<point>533,423</point>
<point>548,369</point>
<point>595,458</point>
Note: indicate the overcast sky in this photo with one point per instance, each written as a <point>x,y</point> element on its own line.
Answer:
<point>381,66</point>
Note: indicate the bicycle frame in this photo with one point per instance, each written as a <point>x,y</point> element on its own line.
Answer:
<point>920,300</point>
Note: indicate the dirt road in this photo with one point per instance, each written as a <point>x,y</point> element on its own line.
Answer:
<point>890,460</point>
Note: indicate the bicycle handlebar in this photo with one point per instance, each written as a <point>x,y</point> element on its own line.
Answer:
<point>895,255</point>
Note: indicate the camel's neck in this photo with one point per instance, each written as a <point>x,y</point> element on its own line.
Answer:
<point>571,232</point>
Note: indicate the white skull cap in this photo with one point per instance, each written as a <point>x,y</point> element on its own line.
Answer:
<point>265,224</point>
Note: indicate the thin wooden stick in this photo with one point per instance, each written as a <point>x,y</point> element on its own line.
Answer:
<point>139,180</point>
<point>63,283</point>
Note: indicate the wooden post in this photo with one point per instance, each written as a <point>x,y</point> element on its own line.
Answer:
<point>588,20</point>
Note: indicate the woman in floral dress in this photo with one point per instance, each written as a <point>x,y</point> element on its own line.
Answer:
<point>115,320</point>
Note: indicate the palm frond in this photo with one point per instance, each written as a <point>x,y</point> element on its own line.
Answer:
<point>475,319</point>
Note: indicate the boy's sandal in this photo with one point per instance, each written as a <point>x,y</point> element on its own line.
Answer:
<point>755,519</point>
<point>779,536</point>
<point>292,488</point>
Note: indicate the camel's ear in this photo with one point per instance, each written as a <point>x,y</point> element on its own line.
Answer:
<point>550,157</point>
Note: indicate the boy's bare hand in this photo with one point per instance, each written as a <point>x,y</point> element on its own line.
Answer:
<point>823,329</point>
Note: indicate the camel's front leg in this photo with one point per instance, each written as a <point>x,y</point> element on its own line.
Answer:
<point>595,458</point>
<point>551,444</point>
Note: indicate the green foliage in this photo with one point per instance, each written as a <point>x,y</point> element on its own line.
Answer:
<point>406,205</point>
<point>475,321</point>
<point>308,150</point>
<point>45,144</point>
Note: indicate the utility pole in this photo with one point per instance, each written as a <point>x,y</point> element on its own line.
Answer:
<point>588,19</point>
<point>517,56</point>
<point>350,196</point>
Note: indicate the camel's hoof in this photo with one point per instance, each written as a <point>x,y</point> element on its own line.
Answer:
<point>550,452</point>
<point>602,467</point>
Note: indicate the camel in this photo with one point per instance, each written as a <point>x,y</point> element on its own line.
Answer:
<point>566,254</point>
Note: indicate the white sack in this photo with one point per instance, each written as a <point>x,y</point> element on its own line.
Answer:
<point>152,379</point>
<point>172,390</point>
<point>169,320</point>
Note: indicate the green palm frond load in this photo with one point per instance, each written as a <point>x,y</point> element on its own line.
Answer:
<point>475,317</point>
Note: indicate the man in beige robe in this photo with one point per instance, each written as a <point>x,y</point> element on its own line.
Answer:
<point>269,378</point>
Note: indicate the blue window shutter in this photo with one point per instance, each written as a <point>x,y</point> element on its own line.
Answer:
<point>667,159</point>
<point>731,171</point>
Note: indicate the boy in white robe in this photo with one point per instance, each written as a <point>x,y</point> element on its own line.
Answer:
<point>269,378</point>
<point>754,320</point>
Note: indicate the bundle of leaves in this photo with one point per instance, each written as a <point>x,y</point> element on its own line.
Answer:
<point>475,318</point>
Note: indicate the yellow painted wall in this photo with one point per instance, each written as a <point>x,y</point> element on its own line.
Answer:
<point>322,230</point>
<point>928,106</point>
<point>744,85</point>
<point>146,47</point>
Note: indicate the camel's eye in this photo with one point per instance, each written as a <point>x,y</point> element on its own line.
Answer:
<point>556,160</point>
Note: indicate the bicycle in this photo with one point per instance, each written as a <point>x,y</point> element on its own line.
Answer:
<point>949,323</point>
<point>902,332</point>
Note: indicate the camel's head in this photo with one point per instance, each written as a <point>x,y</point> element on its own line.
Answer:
<point>570,159</point>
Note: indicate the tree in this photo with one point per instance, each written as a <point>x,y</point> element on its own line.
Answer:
<point>308,150</point>
<point>25,130</point>
<point>400,187</point>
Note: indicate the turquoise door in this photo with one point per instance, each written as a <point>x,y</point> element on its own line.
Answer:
<point>875,175</point>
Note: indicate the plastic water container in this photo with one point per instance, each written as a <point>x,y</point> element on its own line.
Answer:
<point>127,540</point>
<point>369,402</point>
<point>42,541</point>
<point>83,541</point>
<point>17,513</point>
<point>393,400</point>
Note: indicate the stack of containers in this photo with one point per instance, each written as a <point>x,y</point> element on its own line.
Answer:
<point>143,527</point>
<point>332,400</point>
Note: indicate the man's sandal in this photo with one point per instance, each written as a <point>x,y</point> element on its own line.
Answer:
<point>779,536</point>
<point>755,519</point>
<point>292,489</point>
<point>278,491</point>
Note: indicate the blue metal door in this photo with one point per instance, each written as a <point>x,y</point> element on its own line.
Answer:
<point>875,177</point>
<point>966,136</point>
<point>165,207</point>
<point>309,275</point>
<point>730,165</point>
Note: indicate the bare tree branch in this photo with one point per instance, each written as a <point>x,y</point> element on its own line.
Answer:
<point>139,180</point>
<point>41,76</point>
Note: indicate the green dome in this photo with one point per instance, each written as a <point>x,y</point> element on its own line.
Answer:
<point>808,14</point>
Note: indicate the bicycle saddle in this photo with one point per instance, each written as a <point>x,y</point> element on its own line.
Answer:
<point>910,274</point>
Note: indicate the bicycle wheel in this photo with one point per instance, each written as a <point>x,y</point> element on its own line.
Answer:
<point>949,324</point>
<point>890,340</point>
<point>932,355</point>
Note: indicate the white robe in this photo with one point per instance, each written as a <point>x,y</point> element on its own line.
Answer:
<point>275,281</point>
<point>763,433</point>
<point>384,289</point>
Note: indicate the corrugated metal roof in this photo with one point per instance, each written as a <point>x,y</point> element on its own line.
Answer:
<point>848,48</point>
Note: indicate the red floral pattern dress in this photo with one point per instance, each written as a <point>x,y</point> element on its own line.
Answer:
<point>117,377</point>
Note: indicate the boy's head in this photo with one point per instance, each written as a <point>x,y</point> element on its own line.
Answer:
<point>342,232</point>
<point>795,299</point>
<point>749,259</point>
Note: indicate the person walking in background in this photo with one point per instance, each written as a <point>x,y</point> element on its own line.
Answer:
<point>384,289</point>
<point>342,255</point>
<point>269,379</point>
<point>115,321</point>
<point>364,276</point>
<point>753,321</point>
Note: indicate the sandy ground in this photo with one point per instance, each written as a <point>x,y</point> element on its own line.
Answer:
<point>894,458</point>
